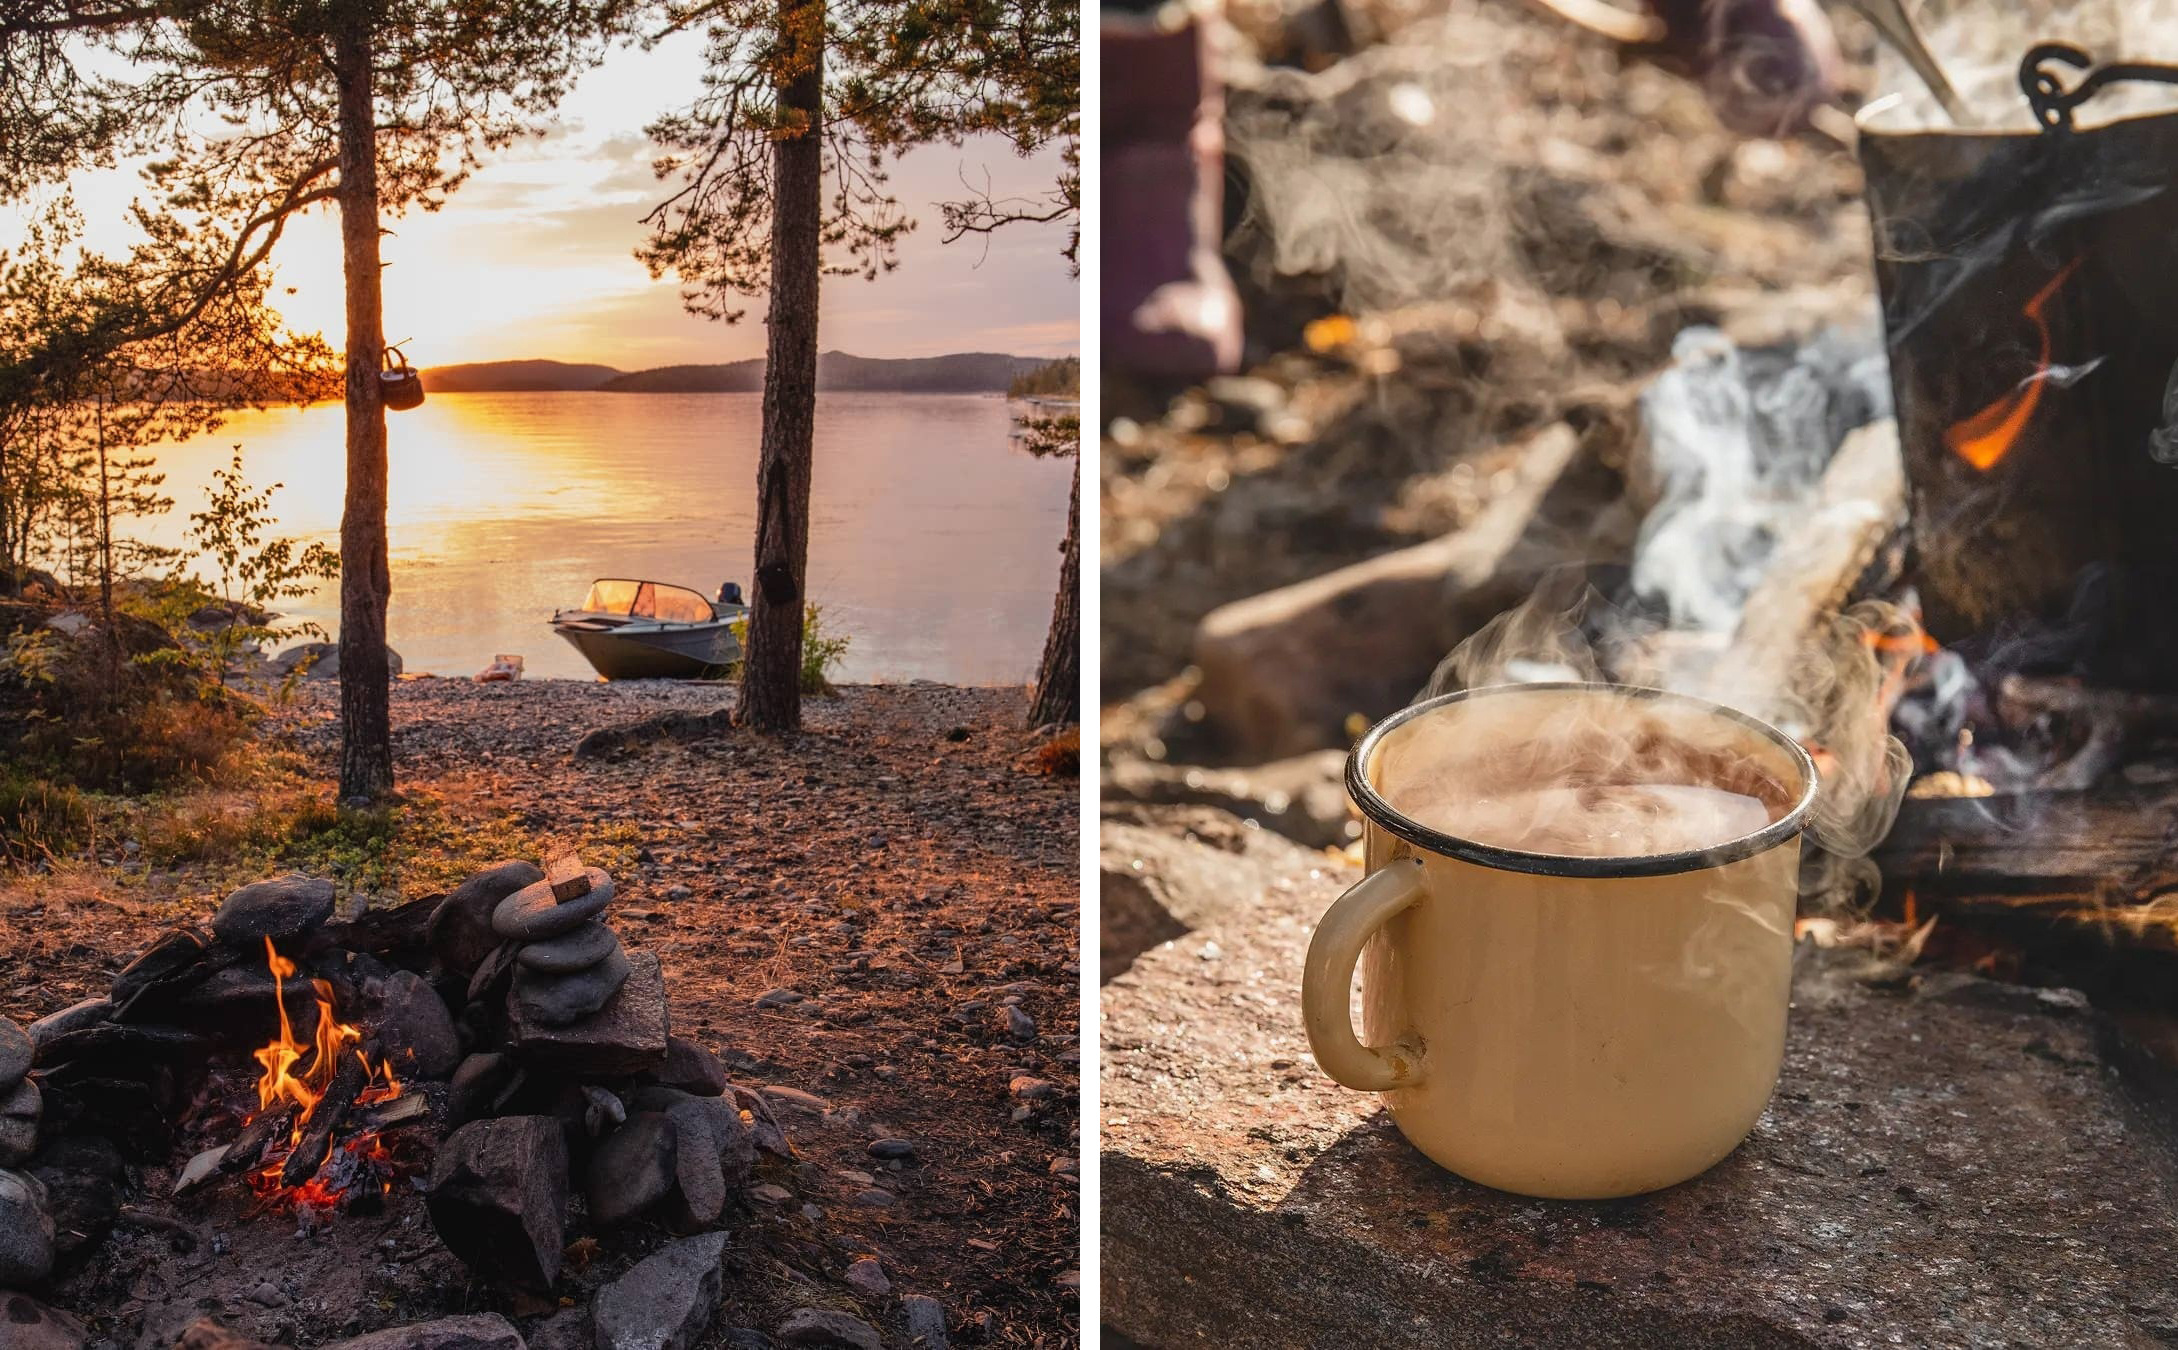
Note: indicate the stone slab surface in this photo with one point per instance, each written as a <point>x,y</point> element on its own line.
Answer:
<point>626,1036</point>
<point>1947,1164</point>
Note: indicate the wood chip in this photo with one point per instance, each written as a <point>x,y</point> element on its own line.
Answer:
<point>570,880</point>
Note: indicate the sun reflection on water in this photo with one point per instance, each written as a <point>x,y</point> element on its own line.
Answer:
<point>933,544</point>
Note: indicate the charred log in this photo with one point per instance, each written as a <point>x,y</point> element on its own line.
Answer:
<point>325,1118</point>
<point>2086,883</point>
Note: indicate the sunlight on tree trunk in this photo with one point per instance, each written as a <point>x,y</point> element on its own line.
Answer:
<point>1058,679</point>
<point>366,749</point>
<point>771,689</point>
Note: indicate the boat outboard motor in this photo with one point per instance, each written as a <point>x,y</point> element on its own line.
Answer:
<point>729,593</point>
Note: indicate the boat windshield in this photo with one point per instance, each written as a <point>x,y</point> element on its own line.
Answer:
<point>647,600</point>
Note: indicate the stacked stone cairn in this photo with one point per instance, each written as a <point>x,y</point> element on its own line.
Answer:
<point>26,1223</point>
<point>584,1079</point>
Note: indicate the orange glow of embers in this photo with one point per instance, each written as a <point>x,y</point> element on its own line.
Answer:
<point>1895,650</point>
<point>1987,436</point>
<point>296,1076</point>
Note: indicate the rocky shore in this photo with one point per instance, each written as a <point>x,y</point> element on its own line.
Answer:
<point>874,922</point>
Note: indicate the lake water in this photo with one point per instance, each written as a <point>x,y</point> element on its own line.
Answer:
<point>934,541</point>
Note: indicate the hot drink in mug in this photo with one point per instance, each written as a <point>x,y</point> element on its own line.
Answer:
<point>1575,938</point>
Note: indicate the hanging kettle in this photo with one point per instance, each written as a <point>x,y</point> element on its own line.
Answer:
<point>399,384</point>
<point>2029,278</point>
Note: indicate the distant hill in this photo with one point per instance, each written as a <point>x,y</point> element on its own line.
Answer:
<point>514,376</point>
<point>962,373</point>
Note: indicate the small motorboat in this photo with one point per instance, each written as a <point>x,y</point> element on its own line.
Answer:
<point>647,630</point>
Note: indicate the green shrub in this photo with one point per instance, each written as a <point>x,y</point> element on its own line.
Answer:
<point>820,652</point>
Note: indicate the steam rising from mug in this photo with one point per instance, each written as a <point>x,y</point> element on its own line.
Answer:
<point>1830,693</point>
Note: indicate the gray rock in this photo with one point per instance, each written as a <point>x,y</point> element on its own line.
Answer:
<point>559,1000</point>
<point>824,1327</point>
<point>667,1301</point>
<point>1019,1025</point>
<point>20,1107</point>
<point>461,927</point>
<point>867,1278</point>
<point>239,1000</point>
<point>498,1198</point>
<point>282,908</point>
<point>1237,1176</point>
<point>118,1050</point>
<point>90,1012</point>
<point>691,1068</point>
<point>415,1031</point>
<point>624,1038</point>
<point>175,961</point>
<point>321,661</point>
<point>891,1150</point>
<point>731,1139</point>
<point>570,952</point>
<point>779,998</point>
<point>475,1331</point>
<point>632,1169</point>
<point>26,1232</point>
<point>699,1181</point>
<point>925,1319</point>
<point>16,1054</point>
<point>26,1324</point>
<point>482,1084</point>
<point>601,1110</point>
<point>532,914</point>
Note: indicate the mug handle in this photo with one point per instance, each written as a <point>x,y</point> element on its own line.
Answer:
<point>1328,979</point>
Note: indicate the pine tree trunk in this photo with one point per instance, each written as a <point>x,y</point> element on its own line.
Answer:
<point>771,673</point>
<point>366,740</point>
<point>109,630</point>
<point>1058,679</point>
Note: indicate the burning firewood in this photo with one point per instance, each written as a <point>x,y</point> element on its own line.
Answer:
<point>256,1137</point>
<point>310,1151</point>
<point>387,1114</point>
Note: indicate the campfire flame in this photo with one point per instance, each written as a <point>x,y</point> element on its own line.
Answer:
<point>280,1085</point>
<point>1985,437</point>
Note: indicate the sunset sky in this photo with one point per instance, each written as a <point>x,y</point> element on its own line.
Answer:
<point>534,257</point>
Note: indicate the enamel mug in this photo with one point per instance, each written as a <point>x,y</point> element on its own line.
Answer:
<point>1574,1027</point>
